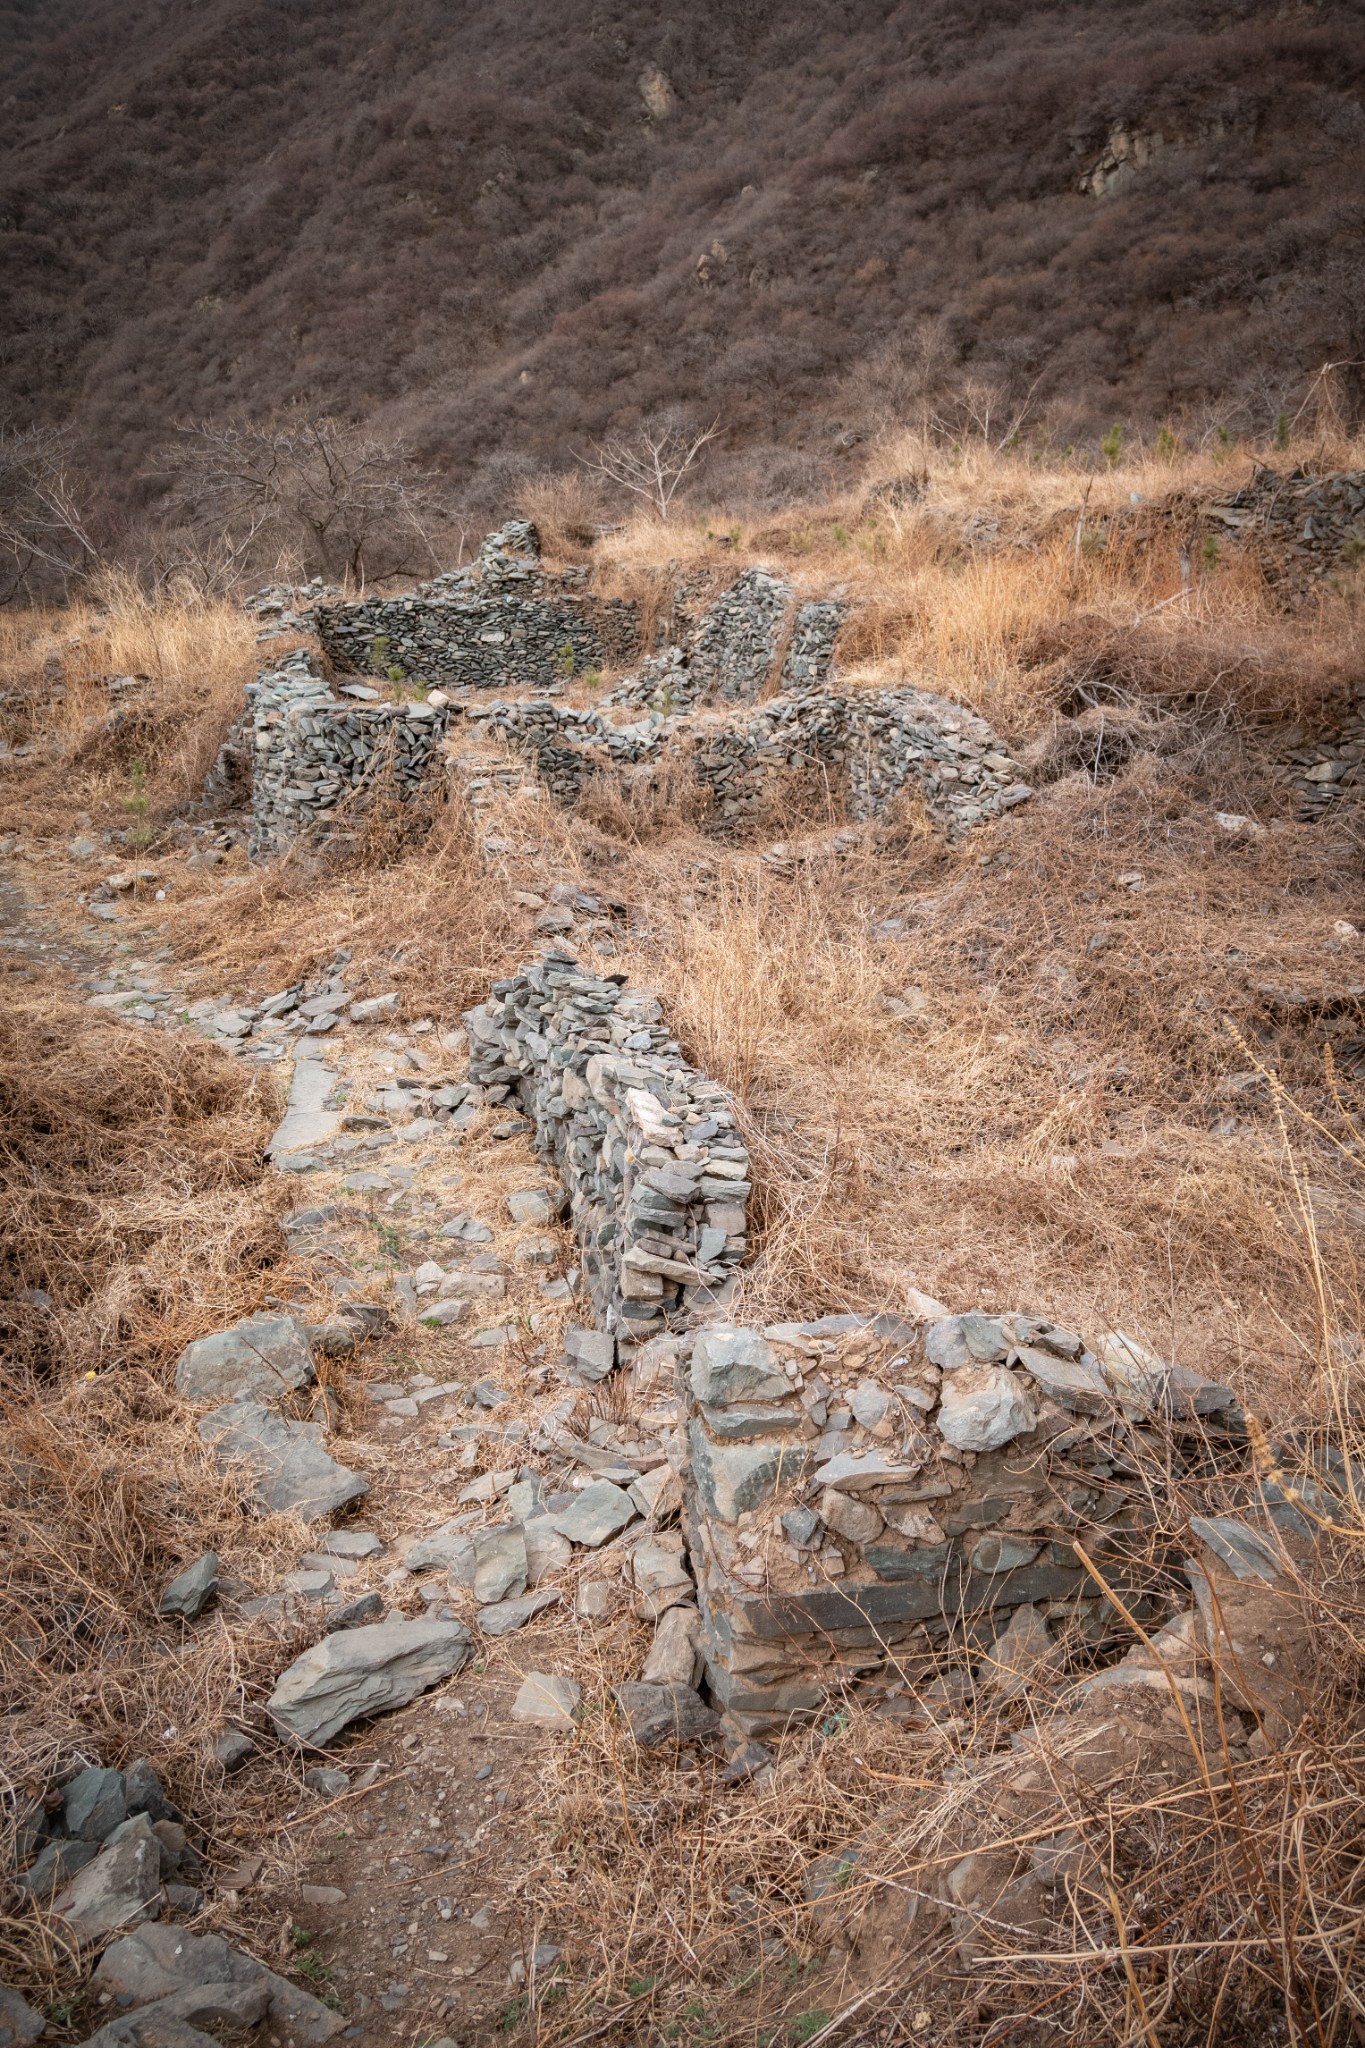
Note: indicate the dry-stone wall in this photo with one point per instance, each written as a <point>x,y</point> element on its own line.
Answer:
<point>500,622</point>
<point>654,1170</point>
<point>315,748</point>
<point>856,1496</point>
<point>1303,527</point>
<point>737,641</point>
<point>809,659</point>
<point>858,1491</point>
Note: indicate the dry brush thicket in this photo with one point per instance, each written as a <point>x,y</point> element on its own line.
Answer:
<point>1102,1059</point>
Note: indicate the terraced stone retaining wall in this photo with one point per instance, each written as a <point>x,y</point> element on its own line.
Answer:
<point>652,1163</point>
<point>480,642</point>
<point>1304,527</point>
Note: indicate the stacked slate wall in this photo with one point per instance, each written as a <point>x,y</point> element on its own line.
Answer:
<point>861,1494</point>
<point>481,642</point>
<point>647,1148</point>
<point>1303,527</point>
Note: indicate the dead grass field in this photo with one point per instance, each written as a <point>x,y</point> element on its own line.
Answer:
<point>1103,1058</point>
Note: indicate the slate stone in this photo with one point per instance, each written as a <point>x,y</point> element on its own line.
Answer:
<point>1244,1550</point>
<point>365,1607</point>
<point>736,1478</point>
<point>659,1714</point>
<point>363,1671</point>
<point>673,1653</point>
<point>897,1562</point>
<point>945,1346</point>
<point>548,1700</point>
<point>500,1563</point>
<point>599,1511</point>
<point>327,1781</point>
<point>357,1543</point>
<point>855,1471</point>
<point>232,1748</point>
<point>1067,1382</point>
<point>731,1364</point>
<point>259,1359</point>
<point>189,1594</point>
<point>19,2023</point>
<point>547,1552</point>
<point>537,1206</point>
<point>858,1521</point>
<point>802,1527</point>
<point>94,1803</point>
<point>593,1352</point>
<point>738,1424</point>
<point>56,1866</point>
<point>155,1963</point>
<point>870,1403</point>
<point>286,1460</point>
<point>982,1408</point>
<point>121,1886</point>
<point>506,1615</point>
<point>1000,1553</point>
<point>144,1793</point>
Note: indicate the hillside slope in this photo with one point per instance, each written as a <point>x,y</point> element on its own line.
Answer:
<point>507,227</point>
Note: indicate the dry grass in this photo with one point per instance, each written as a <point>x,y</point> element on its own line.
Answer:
<point>193,656</point>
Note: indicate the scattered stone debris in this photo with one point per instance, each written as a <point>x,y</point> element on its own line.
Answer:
<point>362,1671</point>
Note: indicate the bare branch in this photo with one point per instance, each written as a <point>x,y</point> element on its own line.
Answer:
<point>654,461</point>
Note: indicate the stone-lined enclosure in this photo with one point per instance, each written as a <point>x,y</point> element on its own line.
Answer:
<point>859,1492</point>
<point>317,745</point>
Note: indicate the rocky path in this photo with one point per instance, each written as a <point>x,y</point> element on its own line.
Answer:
<point>414,1866</point>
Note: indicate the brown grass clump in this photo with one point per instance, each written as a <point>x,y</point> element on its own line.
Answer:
<point>189,656</point>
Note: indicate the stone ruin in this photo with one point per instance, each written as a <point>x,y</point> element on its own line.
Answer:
<point>315,747</point>
<point>862,1495</point>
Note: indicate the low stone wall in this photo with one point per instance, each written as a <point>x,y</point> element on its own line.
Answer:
<point>1303,527</point>
<point>732,653</point>
<point>647,1148</point>
<point>859,1494</point>
<point>313,750</point>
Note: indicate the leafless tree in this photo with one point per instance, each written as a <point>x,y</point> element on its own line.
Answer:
<point>653,461</point>
<point>45,537</point>
<point>351,504</point>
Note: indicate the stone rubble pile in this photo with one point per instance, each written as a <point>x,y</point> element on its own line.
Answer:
<point>654,1170</point>
<point>501,622</point>
<point>1321,772</point>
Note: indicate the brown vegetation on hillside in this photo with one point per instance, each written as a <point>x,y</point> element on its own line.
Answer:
<point>494,231</point>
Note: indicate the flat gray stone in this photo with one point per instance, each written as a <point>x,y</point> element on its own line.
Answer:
<point>258,1359</point>
<point>442,1548</point>
<point>743,1422</point>
<point>156,1963</point>
<point>370,1009</point>
<point>363,1671</point>
<point>593,1352</point>
<point>536,1206</point>
<point>94,1804</point>
<point>289,1467</point>
<point>121,1886</point>
<point>870,1403</point>
<point>735,1478</point>
<point>547,1700</point>
<point>356,1543</point>
<point>982,1408</point>
<point>366,1607</point>
<point>507,1615</point>
<point>500,1563</point>
<point>659,1714</point>
<point>547,1552</point>
<point>851,1471</point>
<point>1068,1382</point>
<point>600,1510</point>
<point>54,1869</point>
<point>672,1658</point>
<point>731,1364</point>
<point>189,1594</point>
<point>19,2023</point>
<point>232,1748</point>
<point>306,1123</point>
<point>1244,1550</point>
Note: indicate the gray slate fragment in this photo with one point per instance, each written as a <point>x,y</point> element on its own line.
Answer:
<point>258,1359</point>
<point>599,1511</point>
<point>290,1468</point>
<point>657,1714</point>
<point>232,1748</point>
<point>56,1866</point>
<point>364,1671</point>
<point>19,2023</point>
<point>189,1594</point>
<point>366,1607</point>
<point>94,1804</point>
<point>157,1962</point>
<point>593,1352</point>
<point>507,1615</point>
<point>548,1700</point>
<point>121,1886</point>
<point>500,1563</point>
<point>984,1407</point>
<point>731,1364</point>
<point>352,1543</point>
<point>144,1792</point>
<point>1069,1383</point>
<point>1244,1550</point>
